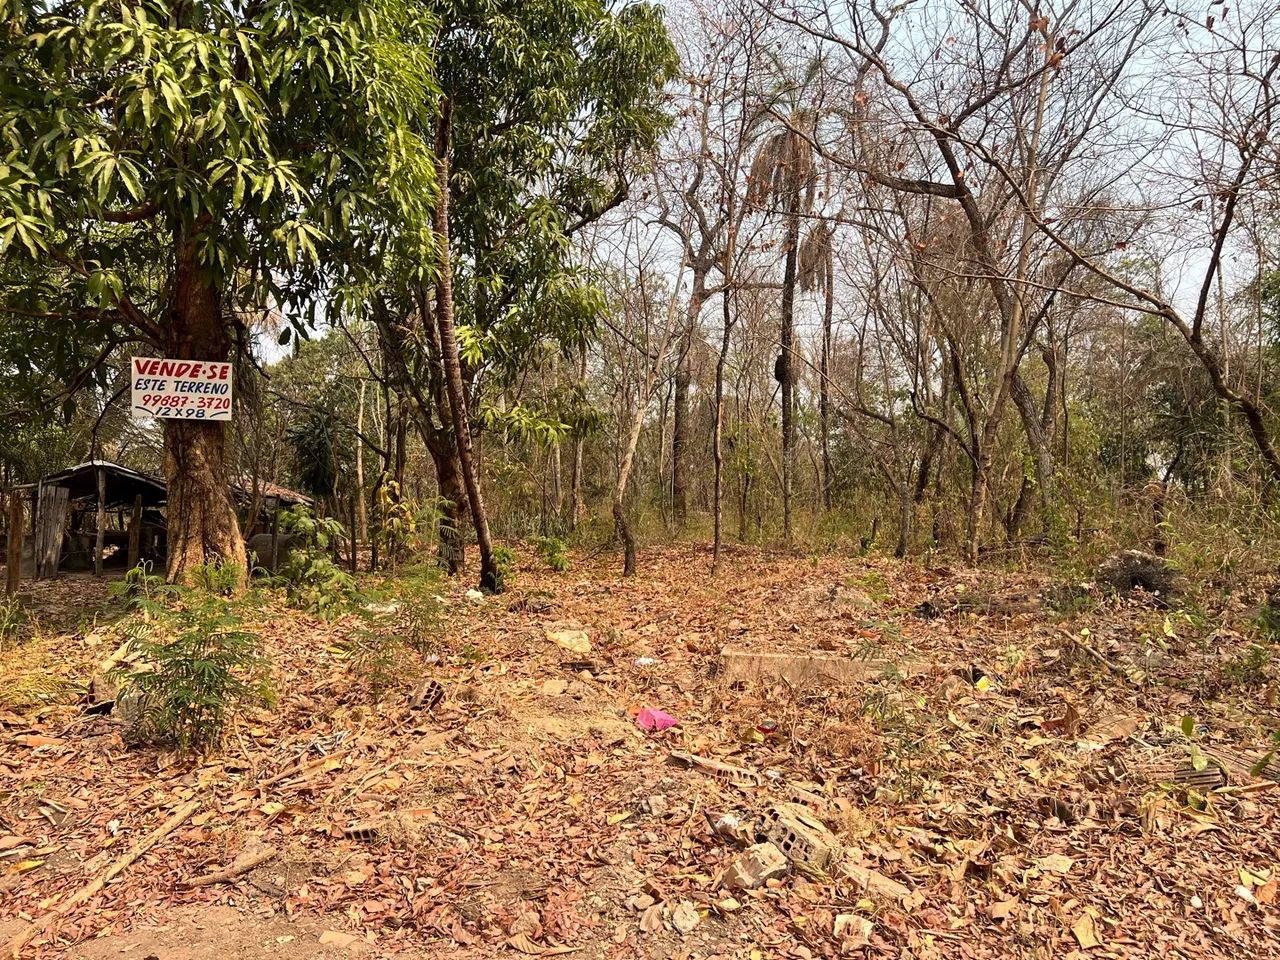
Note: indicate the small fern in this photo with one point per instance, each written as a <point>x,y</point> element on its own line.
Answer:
<point>194,666</point>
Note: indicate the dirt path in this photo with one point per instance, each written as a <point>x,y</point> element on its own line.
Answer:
<point>1010,781</point>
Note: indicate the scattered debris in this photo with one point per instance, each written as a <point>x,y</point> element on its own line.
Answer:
<point>874,883</point>
<point>428,696</point>
<point>801,837</point>
<point>740,776</point>
<point>1086,931</point>
<point>656,805</point>
<point>37,927</point>
<point>852,931</point>
<point>241,865</point>
<point>755,866</point>
<point>685,917</point>
<point>554,687</point>
<point>336,938</point>
<point>569,637</point>
<point>509,815</point>
<point>654,720</point>
<point>651,919</point>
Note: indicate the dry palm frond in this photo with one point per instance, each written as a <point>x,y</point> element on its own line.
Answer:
<point>764,169</point>
<point>815,258</point>
<point>784,168</point>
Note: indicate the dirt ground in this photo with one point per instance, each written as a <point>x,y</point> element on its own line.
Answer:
<point>1078,778</point>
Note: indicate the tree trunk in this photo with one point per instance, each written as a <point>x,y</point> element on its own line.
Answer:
<point>623,528</point>
<point>201,515</point>
<point>785,364</point>
<point>362,515</point>
<point>1040,448</point>
<point>824,392</point>
<point>680,432</point>
<point>717,439</point>
<point>490,576</point>
<point>977,507</point>
<point>906,514</point>
<point>575,483</point>
<point>684,376</point>
<point>454,515</point>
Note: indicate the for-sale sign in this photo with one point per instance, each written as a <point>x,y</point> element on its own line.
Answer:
<point>181,389</point>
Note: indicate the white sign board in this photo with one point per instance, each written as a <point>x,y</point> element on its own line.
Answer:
<point>181,389</point>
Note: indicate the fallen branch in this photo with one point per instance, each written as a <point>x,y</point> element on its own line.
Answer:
<point>1118,671</point>
<point>297,769</point>
<point>37,927</point>
<point>241,865</point>
<point>1246,789</point>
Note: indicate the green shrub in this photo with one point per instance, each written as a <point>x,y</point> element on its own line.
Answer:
<point>505,558</point>
<point>192,665</point>
<point>554,551</point>
<point>312,581</point>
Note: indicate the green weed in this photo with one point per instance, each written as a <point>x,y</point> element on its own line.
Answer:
<point>194,666</point>
<point>554,551</point>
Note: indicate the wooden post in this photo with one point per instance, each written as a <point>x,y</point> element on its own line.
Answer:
<point>14,568</point>
<point>135,533</point>
<point>102,521</point>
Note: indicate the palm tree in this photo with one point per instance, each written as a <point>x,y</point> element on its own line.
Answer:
<point>784,173</point>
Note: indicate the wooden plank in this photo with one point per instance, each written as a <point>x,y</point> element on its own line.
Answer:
<point>14,567</point>
<point>744,666</point>
<point>135,533</point>
<point>102,521</point>
<point>50,524</point>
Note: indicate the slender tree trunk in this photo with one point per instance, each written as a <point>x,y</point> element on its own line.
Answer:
<point>717,439</point>
<point>201,515</point>
<point>680,445</point>
<point>621,523</point>
<point>362,514</point>
<point>786,364</point>
<point>680,431</point>
<point>977,509</point>
<point>575,484</point>
<point>490,576</point>
<point>824,391</point>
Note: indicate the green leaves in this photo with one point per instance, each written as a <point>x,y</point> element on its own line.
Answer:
<point>288,138</point>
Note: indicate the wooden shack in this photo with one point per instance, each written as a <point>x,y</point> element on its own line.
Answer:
<point>96,515</point>
<point>101,515</point>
